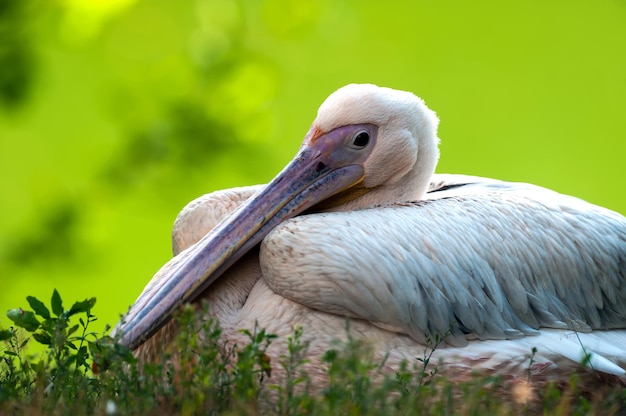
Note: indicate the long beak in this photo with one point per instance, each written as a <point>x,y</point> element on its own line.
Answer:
<point>326,164</point>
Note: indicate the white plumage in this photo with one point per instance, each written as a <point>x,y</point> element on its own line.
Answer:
<point>496,268</point>
<point>491,266</point>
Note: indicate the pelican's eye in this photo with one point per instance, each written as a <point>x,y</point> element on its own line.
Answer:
<point>361,139</point>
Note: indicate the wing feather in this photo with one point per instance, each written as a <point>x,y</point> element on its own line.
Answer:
<point>489,260</point>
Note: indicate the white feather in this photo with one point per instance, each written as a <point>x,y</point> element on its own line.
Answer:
<point>493,264</point>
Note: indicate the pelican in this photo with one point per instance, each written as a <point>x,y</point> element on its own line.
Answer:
<point>359,226</point>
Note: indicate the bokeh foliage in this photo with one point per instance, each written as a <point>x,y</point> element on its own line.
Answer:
<point>114,114</point>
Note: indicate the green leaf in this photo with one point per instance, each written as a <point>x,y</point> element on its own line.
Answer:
<point>70,360</point>
<point>84,306</point>
<point>57,303</point>
<point>38,306</point>
<point>72,330</point>
<point>43,338</point>
<point>23,319</point>
<point>5,334</point>
<point>11,353</point>
<point>82,355</point>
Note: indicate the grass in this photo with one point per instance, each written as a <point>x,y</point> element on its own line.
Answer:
<point>81,372</point>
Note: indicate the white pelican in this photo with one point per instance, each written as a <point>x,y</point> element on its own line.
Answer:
<point>498,268</point>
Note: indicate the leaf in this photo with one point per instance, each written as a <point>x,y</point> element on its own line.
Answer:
<point>38,306</point>
<point>5,334</point>
<point>57,303</point>
<point>23,319</point>
<point>81,356</point>
<point>43,338</point>
<point>72,330</point>
<point>84,306</point>
<point>14,354</point>
<point>70,360</point>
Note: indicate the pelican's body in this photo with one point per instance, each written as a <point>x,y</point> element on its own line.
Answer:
<point>494,268</point>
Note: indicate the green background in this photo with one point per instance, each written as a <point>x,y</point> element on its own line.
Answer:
<point>114,114</point>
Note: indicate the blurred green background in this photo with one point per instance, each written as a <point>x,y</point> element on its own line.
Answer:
<point>115,113</point>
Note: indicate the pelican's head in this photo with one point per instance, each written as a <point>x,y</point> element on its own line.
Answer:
<point>368,145</point>
<point>403,140</point>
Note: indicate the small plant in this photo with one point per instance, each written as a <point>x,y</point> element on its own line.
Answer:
<point>17,378</point>
<point>294,396</point>
<point>431,346</point>
<point>66,357</point>
<point>576,327</point>
<point>253,364</point>
<point>352,371</point>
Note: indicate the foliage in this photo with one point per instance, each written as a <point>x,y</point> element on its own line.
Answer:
<point>81,372</point>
